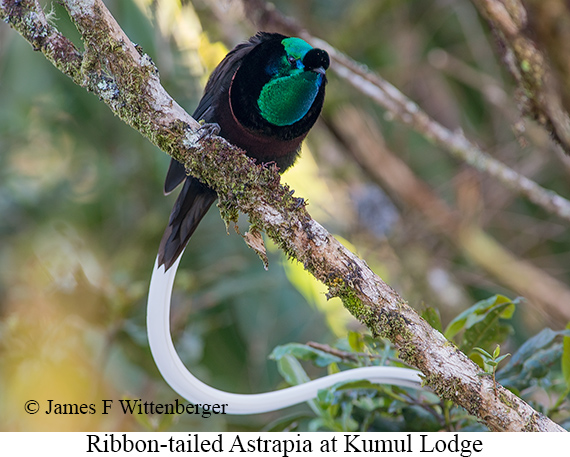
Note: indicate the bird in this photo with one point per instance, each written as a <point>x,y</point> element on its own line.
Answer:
<point>263,97</point>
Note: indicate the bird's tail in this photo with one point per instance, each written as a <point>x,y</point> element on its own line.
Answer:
<point>191,206</point>
<point>192,389</point>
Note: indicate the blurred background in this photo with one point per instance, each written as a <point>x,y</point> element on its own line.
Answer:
<point>82,210</point>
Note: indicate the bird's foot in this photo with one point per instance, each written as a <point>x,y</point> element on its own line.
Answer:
<point>299,201</point>
<point>208,130</point>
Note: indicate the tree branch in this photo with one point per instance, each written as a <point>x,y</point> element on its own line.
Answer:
<point>539,88</point>
<point>128,82</point>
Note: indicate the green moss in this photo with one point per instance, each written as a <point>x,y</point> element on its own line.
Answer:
<point>531,64</point>
<point>228,212</point>
<point>382,323</point>
<point>352,303</point>
<point>454,390</point>
<point>525,66</point>
<point>532,423</point>
<point>505,399</point>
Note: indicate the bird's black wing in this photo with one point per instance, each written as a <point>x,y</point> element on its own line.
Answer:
<point>196,198</point>
<point>218,85</point>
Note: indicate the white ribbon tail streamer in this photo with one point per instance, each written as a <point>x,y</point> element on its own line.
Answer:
<point>195,391</point>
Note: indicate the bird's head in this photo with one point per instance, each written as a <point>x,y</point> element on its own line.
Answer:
<point>283,77</point>
<point>296,73</point>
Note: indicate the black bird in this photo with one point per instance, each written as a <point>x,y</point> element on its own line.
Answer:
<point>265,95</point>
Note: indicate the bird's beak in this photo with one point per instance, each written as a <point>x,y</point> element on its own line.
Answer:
<point>319,70</point>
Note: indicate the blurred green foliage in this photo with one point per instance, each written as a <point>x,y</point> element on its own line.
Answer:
<point>362,406</point>
<point>82,213</point>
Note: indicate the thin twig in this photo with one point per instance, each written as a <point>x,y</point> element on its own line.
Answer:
<point>351,356</point>
<point>539,95</point>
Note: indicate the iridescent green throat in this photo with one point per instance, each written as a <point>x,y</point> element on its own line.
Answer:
<point>285,100</point>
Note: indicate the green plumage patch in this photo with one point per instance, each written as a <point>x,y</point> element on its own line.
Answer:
<point>296,47</point>
<point>288,96</point>
<point>285,100</point>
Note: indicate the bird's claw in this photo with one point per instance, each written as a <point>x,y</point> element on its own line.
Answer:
<point>299,201</point>
<point>208,130</point>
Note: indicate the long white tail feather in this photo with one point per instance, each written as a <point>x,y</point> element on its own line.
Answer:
<point>195,391</point>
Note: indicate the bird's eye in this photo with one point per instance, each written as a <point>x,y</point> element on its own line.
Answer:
<point>292,60</point>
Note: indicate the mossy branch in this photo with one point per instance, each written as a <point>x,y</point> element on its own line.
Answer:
<point>111,67</point>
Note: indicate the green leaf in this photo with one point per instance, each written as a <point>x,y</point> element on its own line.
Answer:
<point>497,351</point>
<point>291,370</point>
<point>325,397</point>
<point>483,352</point>
<point>539,364</point>
<point>529,348</point>
<point>489,329</point>
<point>433,318</point>
<point>333,368</point>
<point>533,360</point>
<point>477,312</point>
<point>500,359</point>
<point>355,341</point>
<point>348,424</point>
